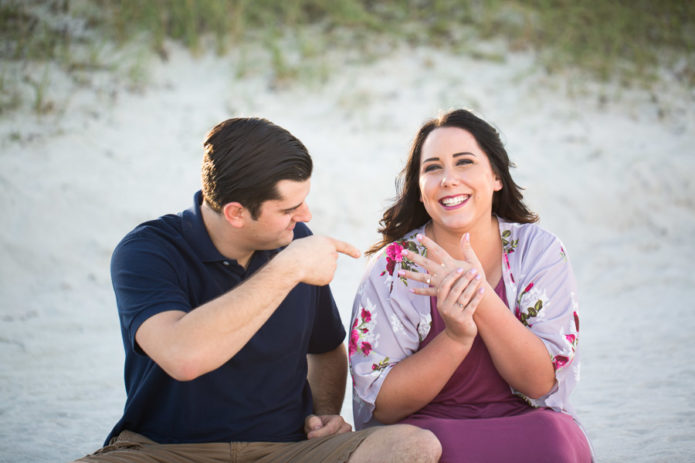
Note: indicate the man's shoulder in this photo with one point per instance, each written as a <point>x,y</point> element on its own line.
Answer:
<point>153,234</point>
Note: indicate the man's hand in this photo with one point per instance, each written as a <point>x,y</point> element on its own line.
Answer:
<point>325,425</point>
<point>316,257</point>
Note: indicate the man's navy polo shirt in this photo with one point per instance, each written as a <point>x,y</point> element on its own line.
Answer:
<point>261,394</point>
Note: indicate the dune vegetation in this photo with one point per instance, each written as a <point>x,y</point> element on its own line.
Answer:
<point>631,42</point>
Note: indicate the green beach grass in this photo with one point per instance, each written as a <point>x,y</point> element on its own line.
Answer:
<point>626,41</point>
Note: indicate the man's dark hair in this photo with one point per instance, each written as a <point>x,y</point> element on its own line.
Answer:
<point>244,160</point>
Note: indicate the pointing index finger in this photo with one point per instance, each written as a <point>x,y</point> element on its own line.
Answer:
<point>346,248</point>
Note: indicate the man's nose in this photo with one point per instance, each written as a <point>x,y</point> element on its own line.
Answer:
<point>303,213</point>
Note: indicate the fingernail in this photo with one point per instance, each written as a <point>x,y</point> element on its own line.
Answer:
<point>481,290</point>
<point>477,277</point>
<point>419,236</point>
<point>467,237</point>
<point>474,271</point>
<point>459,270</point>
<point>401,273</point>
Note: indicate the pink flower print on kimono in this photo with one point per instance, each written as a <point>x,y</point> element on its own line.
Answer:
<point>362,333</point>
<point>394,256</point>
<point>560,361</point>
<point>534,300</point>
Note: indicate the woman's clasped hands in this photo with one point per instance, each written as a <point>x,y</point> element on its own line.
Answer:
<point>455,283</point>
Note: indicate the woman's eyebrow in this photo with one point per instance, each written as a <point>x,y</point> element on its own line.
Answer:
<point>462,153</point>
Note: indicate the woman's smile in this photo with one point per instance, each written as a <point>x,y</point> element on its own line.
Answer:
<point>454,202</point>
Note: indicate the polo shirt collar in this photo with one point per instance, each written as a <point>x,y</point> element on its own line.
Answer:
<point>196,234</point>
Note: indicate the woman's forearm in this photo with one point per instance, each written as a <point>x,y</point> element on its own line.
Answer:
<point>417,379</point>
<point>519,355</point>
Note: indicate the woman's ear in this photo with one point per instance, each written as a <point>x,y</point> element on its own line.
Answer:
<point>235,214</point>
<point>498,184</point>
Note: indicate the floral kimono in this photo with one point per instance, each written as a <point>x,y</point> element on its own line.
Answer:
<point>389,321</point>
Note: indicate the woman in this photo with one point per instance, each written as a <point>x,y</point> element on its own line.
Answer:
<point>466,320</point>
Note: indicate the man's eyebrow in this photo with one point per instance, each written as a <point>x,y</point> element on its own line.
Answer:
<point>289,209</point>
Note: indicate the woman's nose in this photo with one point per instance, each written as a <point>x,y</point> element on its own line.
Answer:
<point>448,179</point>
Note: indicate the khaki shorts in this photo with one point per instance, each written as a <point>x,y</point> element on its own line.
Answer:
<point>131,447</point>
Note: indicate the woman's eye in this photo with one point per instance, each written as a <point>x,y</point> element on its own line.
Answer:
<point>462,162</point>
<point>430,168</point>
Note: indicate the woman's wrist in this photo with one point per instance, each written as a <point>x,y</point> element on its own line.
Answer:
<point>459,345</point>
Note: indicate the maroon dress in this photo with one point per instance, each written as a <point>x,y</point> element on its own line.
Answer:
<point>478,419</point>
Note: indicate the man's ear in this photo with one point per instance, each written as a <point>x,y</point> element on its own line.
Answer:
<point>235,214</point>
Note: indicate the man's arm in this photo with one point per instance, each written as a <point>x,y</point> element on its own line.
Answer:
<point>188,345</point>
<point>327,376</point>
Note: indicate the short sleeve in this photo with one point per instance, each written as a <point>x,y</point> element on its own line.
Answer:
<point>546,303</point>
<point>387,324</point>
<point>328,331</point>
<point>145,282</point>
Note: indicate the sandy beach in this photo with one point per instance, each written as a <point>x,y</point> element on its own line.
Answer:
<point>609,169</point>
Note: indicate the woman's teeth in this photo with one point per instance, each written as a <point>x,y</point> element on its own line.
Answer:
<point>454,200</point>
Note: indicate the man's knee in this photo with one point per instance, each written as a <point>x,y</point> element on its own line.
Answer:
<point>398,443</point>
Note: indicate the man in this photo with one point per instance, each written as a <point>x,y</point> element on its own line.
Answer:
<point>234,345</point>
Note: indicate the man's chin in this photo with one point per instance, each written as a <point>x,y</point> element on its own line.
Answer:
<point>284,240</point>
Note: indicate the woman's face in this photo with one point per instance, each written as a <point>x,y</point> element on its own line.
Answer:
<point>456,180</point>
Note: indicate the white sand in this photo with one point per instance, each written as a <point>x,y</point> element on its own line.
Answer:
<point>613,180</point>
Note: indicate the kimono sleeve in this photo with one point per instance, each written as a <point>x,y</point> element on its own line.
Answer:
<point>386,327</point>
<point>546,303</point>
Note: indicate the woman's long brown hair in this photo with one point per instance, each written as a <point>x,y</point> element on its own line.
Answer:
<point>408,212</point>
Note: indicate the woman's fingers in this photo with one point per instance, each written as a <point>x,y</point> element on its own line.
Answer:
<point>457,306</point>
<point>461,290</point>
<point>467,249</point>
<point>422,261</point>
<point>424,278</point>
<point>473,304</point>
<point>416,276</point>
<point>469,291</point>
<point>437,258</point>
<point>444,288</point>
<point>435,272</point>
<point>434,251</point>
